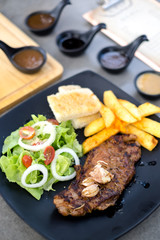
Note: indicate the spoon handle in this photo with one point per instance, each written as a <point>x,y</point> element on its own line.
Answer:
<point>58,9</point>
<point>132,47</point>
<point>91,33</point>
<point>6,49</point>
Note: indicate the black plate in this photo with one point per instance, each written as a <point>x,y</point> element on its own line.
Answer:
<point>137,202</point>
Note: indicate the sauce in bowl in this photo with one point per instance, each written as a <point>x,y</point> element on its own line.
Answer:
<point>40,21</point>
<point>28,58</point>
<point>72,43</point>
<point>149,83</point>
<point>113,60</point>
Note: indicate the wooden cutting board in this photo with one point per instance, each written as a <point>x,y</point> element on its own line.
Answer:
<point>16,86</point>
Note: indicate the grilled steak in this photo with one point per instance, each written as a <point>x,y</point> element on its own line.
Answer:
<point>99,183</point>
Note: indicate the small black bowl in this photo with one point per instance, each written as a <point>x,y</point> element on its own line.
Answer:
<point>42,31</point>
<point>74,43</point>
<point>11,53</point>
<point>117,50</point>
<point>70,43</point>
<point>30,70</point>
<point>116,59</point>
<point>54,15</point>
<point>143,93</point>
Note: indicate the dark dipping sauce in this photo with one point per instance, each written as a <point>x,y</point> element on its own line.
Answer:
<point>28,58</point>
<point>72,43</point>
<point>40,21</point>
<point>114,60</point>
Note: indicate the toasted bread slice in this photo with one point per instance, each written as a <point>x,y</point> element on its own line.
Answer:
<point>65,88</point>
<point>73,104</point>
<point>84,121</point>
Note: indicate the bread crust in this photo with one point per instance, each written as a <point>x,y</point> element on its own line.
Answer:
<point>72,104</point>
<point>64,88</point>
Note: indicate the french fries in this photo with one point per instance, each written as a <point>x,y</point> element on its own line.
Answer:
<point>147,109</point>
<point>125,117</point>
<point>99,124</point>
<point>149,125</point>
<point>120,125</point>
<point>145,139</point>
<point>94,127</point>
<point>98,138</point>
<point>131,108</point>
<point>107,115</point>
<point>111,101</point>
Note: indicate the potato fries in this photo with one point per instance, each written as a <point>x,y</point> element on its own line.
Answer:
<point>107,115</point>
<point>125,117</point>
<point>94,127</point>
<point>98,138</point>
<point>147,109</point>
<point>121,112</point>
<point>145,139</point>
<point>132,108</point>
<point>149,125</point>
<point>120,125</point>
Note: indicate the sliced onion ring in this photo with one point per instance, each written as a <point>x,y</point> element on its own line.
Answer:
<point>49,128</point>
<point>53,164</point>
<point>32,168</point>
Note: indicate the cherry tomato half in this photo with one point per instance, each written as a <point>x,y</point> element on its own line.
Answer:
<point>53,121</point>
<point>27,132</point>
<point>49,154</point>
<point>27,160</point>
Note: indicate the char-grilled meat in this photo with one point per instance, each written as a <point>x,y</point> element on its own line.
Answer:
<point>99,183</point>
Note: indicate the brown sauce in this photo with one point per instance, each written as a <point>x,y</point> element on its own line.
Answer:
<point>149,83</point>
<point>28,58</point>
<point>114,60</point>
<point>40,21</point>
<point>72,43</point>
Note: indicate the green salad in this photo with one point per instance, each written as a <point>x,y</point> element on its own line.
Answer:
<point>40,153</point>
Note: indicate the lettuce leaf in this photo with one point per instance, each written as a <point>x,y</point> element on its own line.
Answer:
<point>11,160</point>
<point>11,141</point>
<point>66,137</point>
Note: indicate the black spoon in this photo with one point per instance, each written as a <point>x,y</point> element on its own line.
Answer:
<point>42,22</point>
<point>115,59</point>
<point>28,59</point>
<point>74,43</point>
